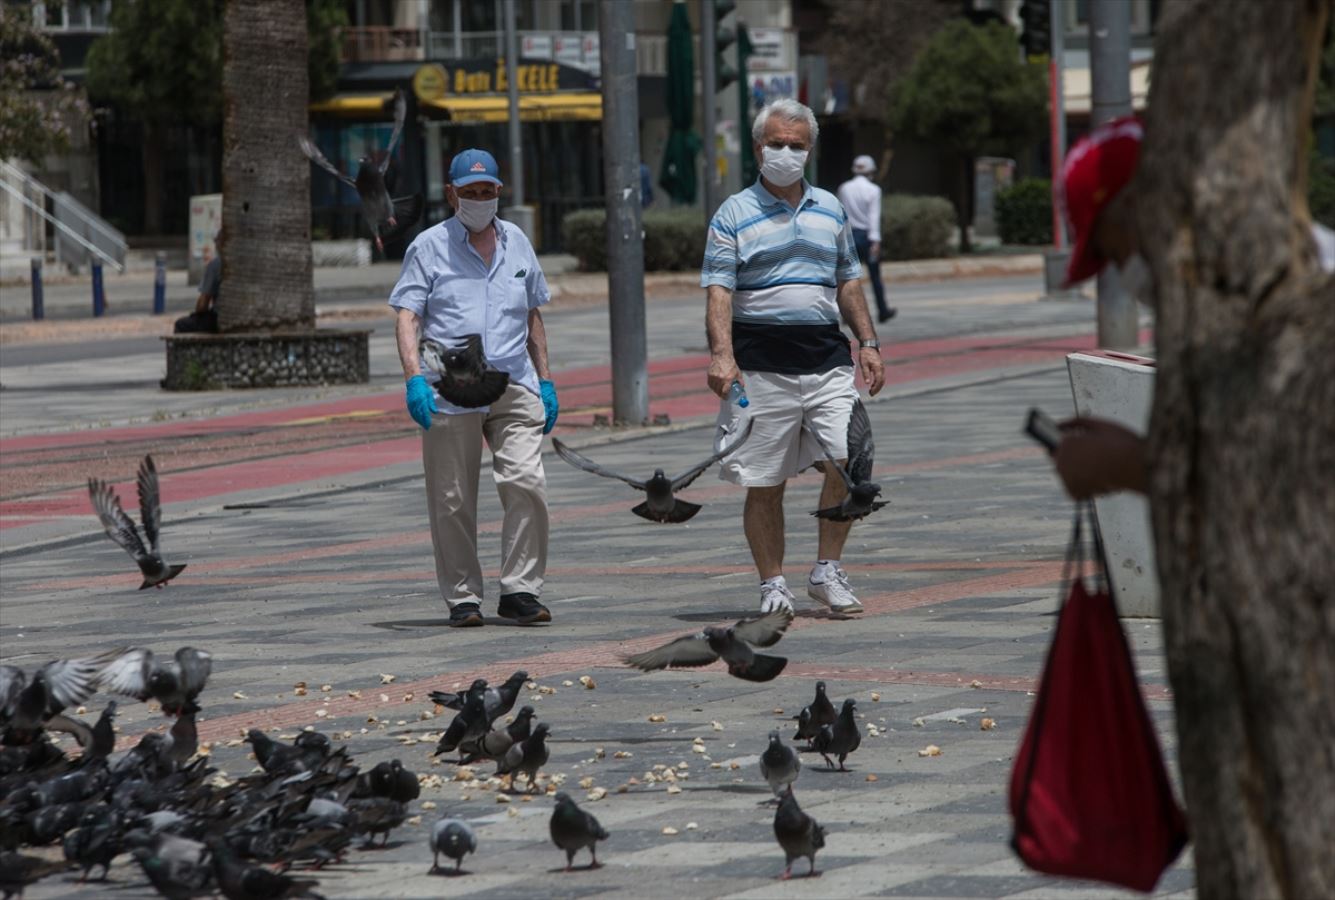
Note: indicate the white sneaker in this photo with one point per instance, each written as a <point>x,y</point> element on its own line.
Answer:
<point>775,597</point>
<point>834,592</point>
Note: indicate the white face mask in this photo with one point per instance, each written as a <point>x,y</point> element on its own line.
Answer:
<point>475,214</point>
<point>784,166</point>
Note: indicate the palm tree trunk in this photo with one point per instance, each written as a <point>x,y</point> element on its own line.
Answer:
<point>266,248</point>
<point>1243,439</point>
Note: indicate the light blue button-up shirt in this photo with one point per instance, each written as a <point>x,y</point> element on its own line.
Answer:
<point>445,281</point>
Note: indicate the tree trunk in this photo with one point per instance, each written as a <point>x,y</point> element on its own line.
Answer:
<point>152,168</point>
<point>266,250</point>
<point>964,208</point>
<point>1243,440</point>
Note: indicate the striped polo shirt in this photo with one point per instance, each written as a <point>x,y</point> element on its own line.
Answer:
<point>784,267</point>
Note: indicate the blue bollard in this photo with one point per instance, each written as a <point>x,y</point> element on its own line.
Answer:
<point>160,284</point>
<point>38,309</point>
<point>99,296</point>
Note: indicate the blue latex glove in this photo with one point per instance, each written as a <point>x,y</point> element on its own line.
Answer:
<point>549,404</point>
<point>421,401</point>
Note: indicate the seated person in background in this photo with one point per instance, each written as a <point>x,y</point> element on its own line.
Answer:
<point>205,316</point>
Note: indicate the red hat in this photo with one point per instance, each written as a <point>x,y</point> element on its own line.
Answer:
<point>1096,170</point>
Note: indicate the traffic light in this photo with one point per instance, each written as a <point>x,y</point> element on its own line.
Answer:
<point>724,37</point>
<point>1036,19</point>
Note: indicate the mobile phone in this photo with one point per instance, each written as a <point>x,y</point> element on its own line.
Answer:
<point>1041,428</point>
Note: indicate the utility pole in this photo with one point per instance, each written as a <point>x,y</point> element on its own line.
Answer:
<point>625,243</point>
<point>1110,82</point>
<point>708,103</point>
<point>517,212</point>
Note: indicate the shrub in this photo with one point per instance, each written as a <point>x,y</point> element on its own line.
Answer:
<point>674,239</point>
<point>914,227</point>
<point>1024,212</point>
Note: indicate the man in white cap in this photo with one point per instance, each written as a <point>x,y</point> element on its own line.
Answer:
<point>861,198</point>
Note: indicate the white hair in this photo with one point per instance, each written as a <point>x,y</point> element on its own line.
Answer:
<point>789,110</point>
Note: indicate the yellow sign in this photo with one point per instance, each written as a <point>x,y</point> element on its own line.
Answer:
<point>429,82</point>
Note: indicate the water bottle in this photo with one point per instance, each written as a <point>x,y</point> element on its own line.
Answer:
<point>738,393</point>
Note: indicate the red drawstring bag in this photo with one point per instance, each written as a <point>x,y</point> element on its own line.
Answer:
<point>1089,793</point>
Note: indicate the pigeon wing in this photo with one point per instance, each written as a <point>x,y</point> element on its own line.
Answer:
<point>314,155</point>
<point>685,478</point>
<point>861,448</point>
<point>690,651</point>
<point>119,526</point>
<point>588,465</point>
<point>195,667</point>
<point>763,631</point>
<point>125,674</point>
<point>150,507</point>
<point>12,682</point>
<point>828,456</point>
<point>400,112</point>
<point>72,681</point>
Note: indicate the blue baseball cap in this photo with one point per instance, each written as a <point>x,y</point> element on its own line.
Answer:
<point>473,165</point>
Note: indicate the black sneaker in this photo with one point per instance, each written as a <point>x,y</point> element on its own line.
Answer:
<point>465,615</point>
<point>523,608</point>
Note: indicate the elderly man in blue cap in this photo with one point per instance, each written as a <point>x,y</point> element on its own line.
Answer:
<point>475,274</point>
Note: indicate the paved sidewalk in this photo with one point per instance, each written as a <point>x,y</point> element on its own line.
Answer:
<point>331,582</point>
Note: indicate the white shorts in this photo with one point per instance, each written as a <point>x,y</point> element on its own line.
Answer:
<point>780,405</point>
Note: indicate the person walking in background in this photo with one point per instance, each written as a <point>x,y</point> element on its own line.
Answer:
<point>861,198</point>
<point>779,270</point>
<point>474,274</point>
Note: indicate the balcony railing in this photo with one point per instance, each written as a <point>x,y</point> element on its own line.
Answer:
<point>381,43</point>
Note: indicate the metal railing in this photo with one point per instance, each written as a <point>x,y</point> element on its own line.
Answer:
<point>574,48</point>
<point>80,234</point>
<point>380,43</point>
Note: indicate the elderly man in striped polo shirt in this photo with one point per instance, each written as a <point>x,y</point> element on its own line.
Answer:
<point>780,268</point>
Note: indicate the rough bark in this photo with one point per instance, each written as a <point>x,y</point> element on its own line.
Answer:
<point>1243,440</point>
<point>266,249</point>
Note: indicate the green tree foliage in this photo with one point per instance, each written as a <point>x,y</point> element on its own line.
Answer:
<point>969,94</point>
<point>38,109</point>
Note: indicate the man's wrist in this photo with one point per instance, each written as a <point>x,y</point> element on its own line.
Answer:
<point>870,343</point>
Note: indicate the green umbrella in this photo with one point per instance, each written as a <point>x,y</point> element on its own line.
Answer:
<point>677,176</point>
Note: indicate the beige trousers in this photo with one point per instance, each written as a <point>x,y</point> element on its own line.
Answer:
<point>452,458</point>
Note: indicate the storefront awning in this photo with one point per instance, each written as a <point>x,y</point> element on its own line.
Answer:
<point>354,105</point>
<point>568,106</point>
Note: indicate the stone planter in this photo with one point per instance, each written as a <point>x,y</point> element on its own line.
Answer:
<point>201,362</point>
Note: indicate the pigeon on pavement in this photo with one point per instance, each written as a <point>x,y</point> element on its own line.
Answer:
<point>174,683</point>
<point>574,829</point>
<point>862,492</point>
<point>96,842</point>
<point>817,713</point>
<point>527,756</point>
<point>468,726</point>
<point>841,738</point>
<point>121,528</point>
<point>28,705</point>
<point>660,504</point>
<point>456,839</point>
<point>378,208</point>
<point>732,644</point>
<point>240,880</point>
<point>779,764</point>
<point>465,377</point>
<point>494,744</point>
<point>17,871</point>
<point>497,700</point>
<point>390,779</point>
<point>799,835</point>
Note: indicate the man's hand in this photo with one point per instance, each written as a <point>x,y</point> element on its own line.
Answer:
<point>722,373</point>
<point>1096,457</point>
<point>421,400</point>
<point>550,406</point>
<point>873,370</point>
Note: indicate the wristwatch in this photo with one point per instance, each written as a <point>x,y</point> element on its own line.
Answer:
<point>873,343</point>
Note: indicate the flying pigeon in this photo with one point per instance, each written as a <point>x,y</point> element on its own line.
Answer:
<point>122,530</point>
<point>862,492</point>
<point>799,835</point>
<point>817,713</point>
<point>527,756</point>
<point>841,738</point>
<point>573,829</point>
<point>779,764</point>
<point>660,504</point>
<point>379,210</point>
<point>456,839</point>
<point>465,377</point>
<point>28,705</point>
<point>174,683</point>
<point>732,644</point>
